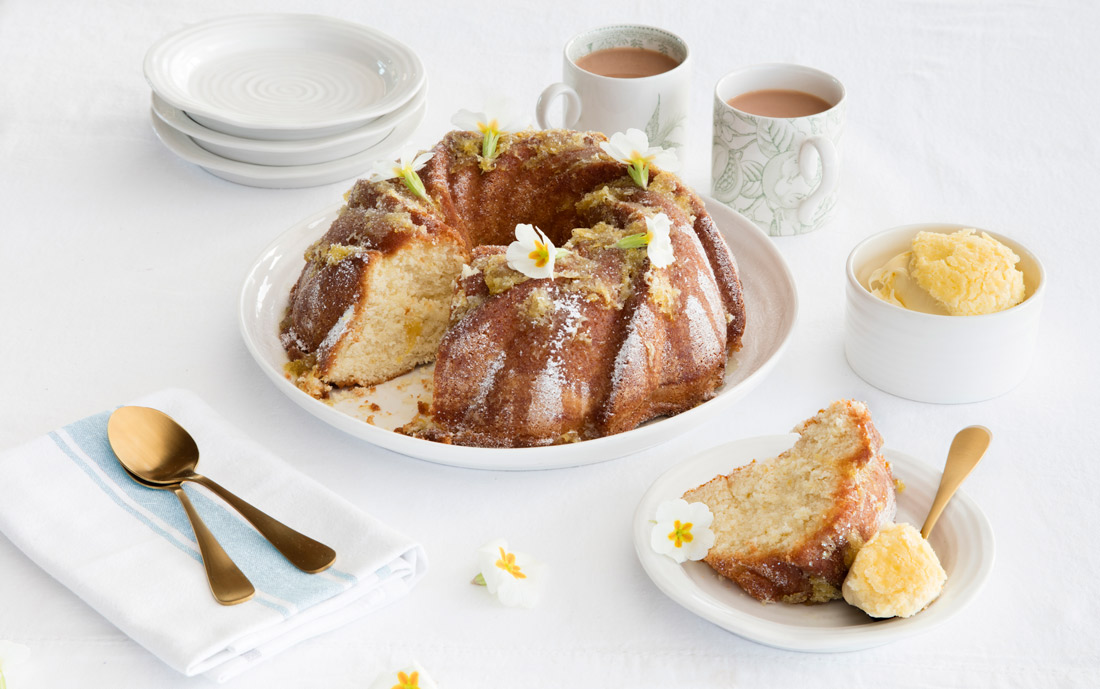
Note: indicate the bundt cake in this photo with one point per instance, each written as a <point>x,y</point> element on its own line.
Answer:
<point>606,343</point>
<point>788,528</point>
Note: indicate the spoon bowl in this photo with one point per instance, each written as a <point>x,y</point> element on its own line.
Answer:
<point>967,449</point>
<point>157,450</point>
<point>151,445</point>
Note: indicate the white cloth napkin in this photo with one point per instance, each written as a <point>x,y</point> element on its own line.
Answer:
<point>130,553</point>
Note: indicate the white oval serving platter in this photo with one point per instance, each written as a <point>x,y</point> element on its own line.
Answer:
<point>771,306</point>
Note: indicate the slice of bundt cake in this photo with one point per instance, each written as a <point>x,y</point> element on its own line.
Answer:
<point>373,299</point>
<point>789,527</point>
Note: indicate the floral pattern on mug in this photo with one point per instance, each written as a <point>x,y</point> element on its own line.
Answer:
<point>756,168</point>
<point>665,134</point>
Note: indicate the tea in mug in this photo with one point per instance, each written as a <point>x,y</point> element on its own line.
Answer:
<point>626,63</point>
<point>780,103</point>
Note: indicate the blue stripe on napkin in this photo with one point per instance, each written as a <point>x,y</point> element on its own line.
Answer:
<point>279,584</point>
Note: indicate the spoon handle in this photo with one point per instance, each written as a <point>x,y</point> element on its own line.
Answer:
<point>228,584</point>
<point>302,551</point>
<point>966,451</point>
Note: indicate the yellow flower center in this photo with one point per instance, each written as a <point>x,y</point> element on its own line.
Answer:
<point>407,681</point>
<point>507,562</point>
<point>681,533</point>
<point>541,256</point>
<point>637,158</point>
<point>492,126</point>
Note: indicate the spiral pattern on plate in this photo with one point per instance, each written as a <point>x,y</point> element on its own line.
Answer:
<point>273,74</point>
<point>321,86</point>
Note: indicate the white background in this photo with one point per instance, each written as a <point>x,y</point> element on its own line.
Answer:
<point>120,266</point>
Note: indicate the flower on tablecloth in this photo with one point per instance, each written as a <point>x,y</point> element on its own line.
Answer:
<point>405,168</point>
<point>11,656</point>
<point>657,240</point>
<point>513,577</point>
<point>411,677</point>
<point>633,149</point>
<point>682,530</point>
<point>499,118</point>
<point>532,253</point>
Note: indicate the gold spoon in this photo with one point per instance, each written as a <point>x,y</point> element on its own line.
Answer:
<point>227,582</point>
<point>967,449</point>
<point>156,449</point>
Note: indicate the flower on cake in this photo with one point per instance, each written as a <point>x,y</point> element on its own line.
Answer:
<point>682,530</point>
<point>657,240</point>
<point>412,677</point>
<point>633,149</point>
<point>405,168</point>
<point>499,118</point>
<point>513,577</point>
<point>11,656</point>
<point>532,253</point>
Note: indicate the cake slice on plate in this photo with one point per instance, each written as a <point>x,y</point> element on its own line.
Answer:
<point>788,528</point>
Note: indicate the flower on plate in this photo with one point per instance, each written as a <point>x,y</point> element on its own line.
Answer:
<point>498,118</point>
<point>682,530</point>
<point>633,149</point>
<point>656,240</point>
<point>532,253</point>
<point>513,577</point>
<point>405,168</point>
<point>411,677</point>
<point>11,656</point>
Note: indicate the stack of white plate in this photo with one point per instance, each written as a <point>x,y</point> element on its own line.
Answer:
<point>284,100</point>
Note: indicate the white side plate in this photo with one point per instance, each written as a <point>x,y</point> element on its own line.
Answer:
<point>286,176</point>
<point>282,76</point>
<point>770,304</point>
<point>298,152</point>
<point>962,539</point>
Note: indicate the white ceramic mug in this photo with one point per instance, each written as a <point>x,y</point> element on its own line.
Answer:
<point>657,104</point>
<point>780,172</point>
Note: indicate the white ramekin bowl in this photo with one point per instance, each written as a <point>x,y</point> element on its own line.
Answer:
<point>933,358</point>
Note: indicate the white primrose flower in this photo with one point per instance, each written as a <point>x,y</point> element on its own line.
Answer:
<point>499,118</point>
<point>532,253</point>
<point>682,530</point>
<point>411,677</point>
<point>405,168</point>
<point>633,149</point>
<point>657,240</point>
<point>515,578</point>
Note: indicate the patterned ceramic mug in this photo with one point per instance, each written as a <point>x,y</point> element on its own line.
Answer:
<point>780,172</point>
<point>656,104</point>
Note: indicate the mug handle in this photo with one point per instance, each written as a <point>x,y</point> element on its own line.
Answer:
<point>830,165</point>
<point>549,95</point>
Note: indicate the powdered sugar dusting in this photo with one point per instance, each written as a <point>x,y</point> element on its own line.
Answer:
<point>704,337</point>
<point>546,394</point>
<point>546,403</point>
<point>337,331</point>
<point>485,386</point>
<point>709,287</point>
<point>632,358</point>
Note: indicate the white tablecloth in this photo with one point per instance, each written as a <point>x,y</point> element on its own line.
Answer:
<point>120,266</point>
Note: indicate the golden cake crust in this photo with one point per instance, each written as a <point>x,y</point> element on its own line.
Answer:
<point>842,448</point>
